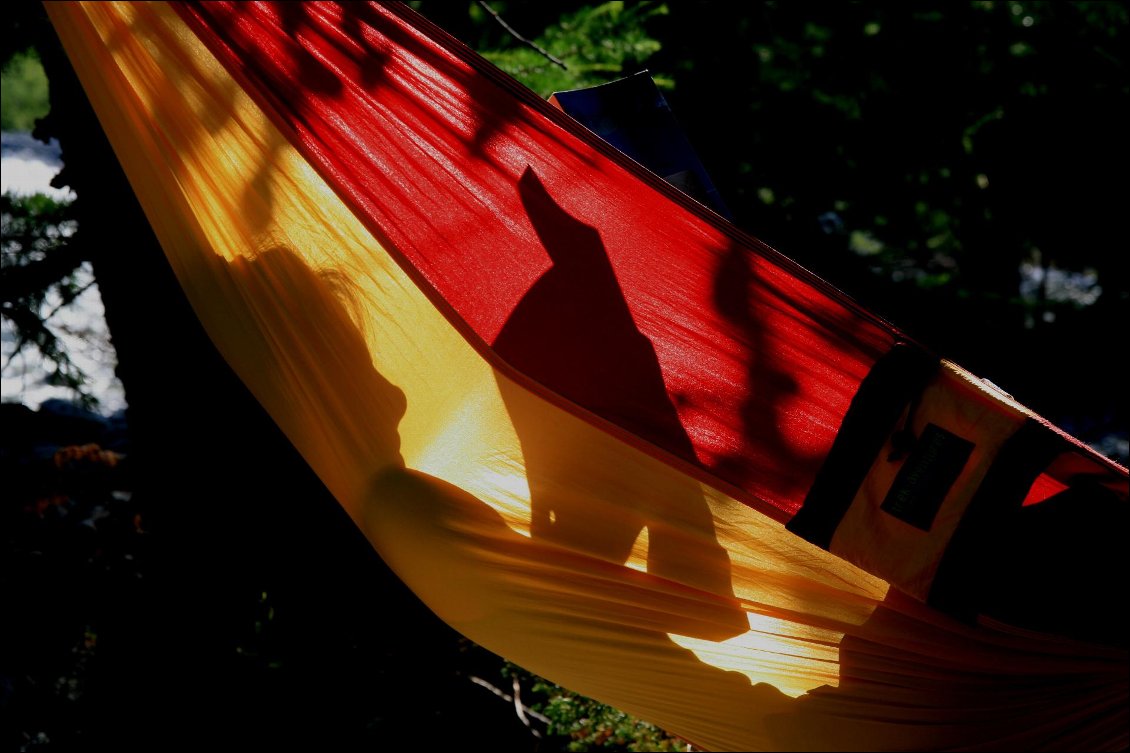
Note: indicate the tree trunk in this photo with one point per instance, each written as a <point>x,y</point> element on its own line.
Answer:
<point>261,614</point>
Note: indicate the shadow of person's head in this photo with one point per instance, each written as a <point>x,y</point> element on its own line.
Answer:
<point>311,356</point>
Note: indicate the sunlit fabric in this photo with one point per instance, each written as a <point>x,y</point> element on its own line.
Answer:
<point>574,410</point>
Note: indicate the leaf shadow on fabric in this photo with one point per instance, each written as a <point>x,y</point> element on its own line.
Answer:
<point>318,53</point>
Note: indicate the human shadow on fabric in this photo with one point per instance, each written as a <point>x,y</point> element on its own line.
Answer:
<point>297,337</point>
<point>305,355</point>
<point>300,338</point>
<point>909,678</point>
<point>312,367</point>
<point>594,627</point>
<point>573,329</point>
<point>538,599</point>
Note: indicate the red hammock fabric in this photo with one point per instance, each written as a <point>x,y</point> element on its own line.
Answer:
<point>641,309</point>
<point>752,362</point>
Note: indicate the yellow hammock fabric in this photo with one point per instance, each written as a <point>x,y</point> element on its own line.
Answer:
<point>749,638</point>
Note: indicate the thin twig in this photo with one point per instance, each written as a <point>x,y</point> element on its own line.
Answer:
<point>513,32</point>
<point>518,708</point>
<point>523,713</point>
<point>65,303</point>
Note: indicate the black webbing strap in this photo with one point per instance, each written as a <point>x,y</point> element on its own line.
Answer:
<point>895,380</point>
<point>1020,460</point>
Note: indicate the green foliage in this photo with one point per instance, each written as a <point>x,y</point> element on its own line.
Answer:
<point>576,723</point>
<point>597,43</point>
<point>25,92</point>
<point>933,160</point>
<point>590,725</point>
<point>37,279</point>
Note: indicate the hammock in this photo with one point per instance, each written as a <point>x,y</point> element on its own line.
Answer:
<point>596,428</point>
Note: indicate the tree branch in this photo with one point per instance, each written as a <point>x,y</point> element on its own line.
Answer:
<point>25,320</point>
<point>524,712</point>
<point>529,42</point>
<point>21,280</point>
<point>519,709</point>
